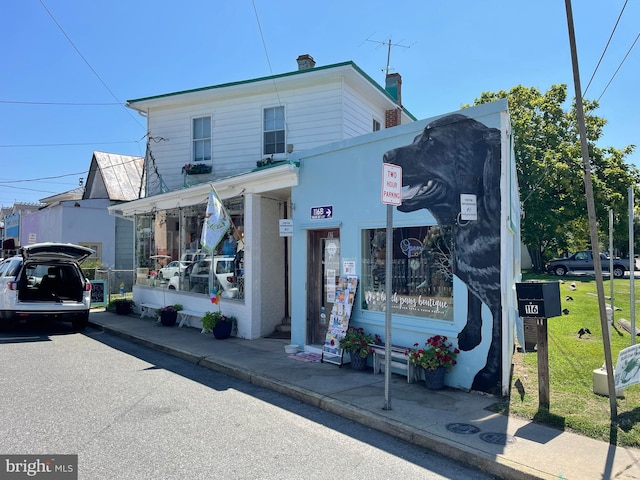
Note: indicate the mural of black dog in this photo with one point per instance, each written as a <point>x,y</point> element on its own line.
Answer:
<point>457,155</point>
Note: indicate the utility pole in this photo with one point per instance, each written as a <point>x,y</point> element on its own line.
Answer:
<point>591,210</point>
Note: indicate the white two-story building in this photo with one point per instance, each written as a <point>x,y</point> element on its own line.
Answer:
<point>238,138</point>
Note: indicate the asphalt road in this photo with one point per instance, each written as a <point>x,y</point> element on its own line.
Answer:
<point>135,413</point>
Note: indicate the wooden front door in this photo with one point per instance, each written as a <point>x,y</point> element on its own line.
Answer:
<point>323,270</point>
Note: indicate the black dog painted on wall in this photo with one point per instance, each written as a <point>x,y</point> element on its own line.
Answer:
<point>458,155</point>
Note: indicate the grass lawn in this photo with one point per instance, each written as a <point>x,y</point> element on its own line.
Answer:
<point>573,405</point>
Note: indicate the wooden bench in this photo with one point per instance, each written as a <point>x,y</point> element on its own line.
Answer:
<point>398,360</point>
<point>149,310</point>
<point>183,317</point>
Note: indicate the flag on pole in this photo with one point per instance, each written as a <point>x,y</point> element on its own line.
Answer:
<point>216,223</point>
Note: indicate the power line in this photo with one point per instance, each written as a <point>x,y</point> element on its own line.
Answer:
<point>18,145</point>
<point>605,48</point>
<point>72,104</point>
<point>88,64</point>
<point>616,72</point>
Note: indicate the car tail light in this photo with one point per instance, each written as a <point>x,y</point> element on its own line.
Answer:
<point>13,285</point>
<point>87,286</point>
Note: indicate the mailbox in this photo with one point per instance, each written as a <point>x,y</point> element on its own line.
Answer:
<point>538,299</point>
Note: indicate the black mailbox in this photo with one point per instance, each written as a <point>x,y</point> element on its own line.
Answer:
<point>538,299</point>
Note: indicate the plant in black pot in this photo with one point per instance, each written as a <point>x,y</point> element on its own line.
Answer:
<point>356,341</point>
<point>169,314</point>
<point>221,325</point>
<point>122,306</point>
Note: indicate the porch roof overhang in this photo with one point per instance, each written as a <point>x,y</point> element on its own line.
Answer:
<point>277,180</point>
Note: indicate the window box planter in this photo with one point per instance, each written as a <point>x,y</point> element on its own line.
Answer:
<point>196,169</point>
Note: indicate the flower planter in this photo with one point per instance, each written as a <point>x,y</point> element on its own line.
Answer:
<point>123,308</point>
<point>222,330</point>
<point>358,362</point>
<point>168,318</point>
<point>434,378</point>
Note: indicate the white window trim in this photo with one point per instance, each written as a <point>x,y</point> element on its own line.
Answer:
<point>277,156</point>
<point>210,138</point>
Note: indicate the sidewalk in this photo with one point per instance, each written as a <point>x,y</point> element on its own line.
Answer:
<point>451,422</point>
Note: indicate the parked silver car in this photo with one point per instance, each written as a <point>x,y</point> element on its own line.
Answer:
<point>45,281</point>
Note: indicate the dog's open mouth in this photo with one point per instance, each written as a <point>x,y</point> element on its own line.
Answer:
<point>431,189</point>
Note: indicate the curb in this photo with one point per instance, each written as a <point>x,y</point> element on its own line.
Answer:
<point>492,465</point>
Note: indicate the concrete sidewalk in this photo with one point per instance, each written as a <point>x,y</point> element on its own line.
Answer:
<point>451,422</point>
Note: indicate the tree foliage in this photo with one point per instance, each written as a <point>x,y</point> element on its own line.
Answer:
<point>550,173</point>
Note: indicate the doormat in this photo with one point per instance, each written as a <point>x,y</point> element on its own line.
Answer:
<point>306,357</point>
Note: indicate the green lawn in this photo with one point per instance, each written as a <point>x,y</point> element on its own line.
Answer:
<point>573,405</point>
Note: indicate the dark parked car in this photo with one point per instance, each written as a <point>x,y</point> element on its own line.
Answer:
<point>583,261</point>
<point>45,281</point>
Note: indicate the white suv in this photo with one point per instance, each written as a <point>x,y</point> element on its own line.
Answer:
<point>45,281</point>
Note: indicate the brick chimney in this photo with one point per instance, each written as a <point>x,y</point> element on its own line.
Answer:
<point>305,62</point>
<point>393,86</point>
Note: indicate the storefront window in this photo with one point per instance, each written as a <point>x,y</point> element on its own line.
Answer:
<point>169,254</point>
<point>421,278</point>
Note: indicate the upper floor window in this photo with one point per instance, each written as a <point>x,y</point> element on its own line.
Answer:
<point>202,139</point>
<point>273,130</point>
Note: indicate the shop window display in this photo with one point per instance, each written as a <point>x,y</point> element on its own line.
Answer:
<point>422,276</point>
<point>174,235</point>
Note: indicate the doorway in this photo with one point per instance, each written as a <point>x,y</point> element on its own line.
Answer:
<point>323,270</point>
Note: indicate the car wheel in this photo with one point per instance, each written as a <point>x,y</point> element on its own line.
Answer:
<point>171,287</point>
<point>560,271</point>
<point>618,271</point>
<point>81,323</point>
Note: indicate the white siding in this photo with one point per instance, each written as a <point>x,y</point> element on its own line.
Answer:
<point>315,115</point>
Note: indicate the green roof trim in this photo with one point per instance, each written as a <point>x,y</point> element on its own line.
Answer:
<point>273,77</point>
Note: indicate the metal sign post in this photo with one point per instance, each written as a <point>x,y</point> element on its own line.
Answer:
<point>391,195</point>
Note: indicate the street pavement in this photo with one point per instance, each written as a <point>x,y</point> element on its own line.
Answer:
<point>454,423</point>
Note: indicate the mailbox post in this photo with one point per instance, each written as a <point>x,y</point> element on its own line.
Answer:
<point>538,301</point>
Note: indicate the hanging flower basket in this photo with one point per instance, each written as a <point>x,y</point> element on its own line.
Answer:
<point>196,168</point>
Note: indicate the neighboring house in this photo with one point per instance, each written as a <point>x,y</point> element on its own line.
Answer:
<point>13,217</point>
<point>238,137</point>
<point>80,216</point>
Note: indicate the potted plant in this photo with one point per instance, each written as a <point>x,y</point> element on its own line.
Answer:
<point>436,358</point>
<point>196,169</point>
<point>356,341</point>
<point>169,314</point>
<point>221,325</point>
<point>122,306</point>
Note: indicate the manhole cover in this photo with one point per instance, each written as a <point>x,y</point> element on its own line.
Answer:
<point>498,438</point>
<point>463,428</point>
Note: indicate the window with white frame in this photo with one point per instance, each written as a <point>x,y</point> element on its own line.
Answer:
<point>273,130</point>
<point>202,139</point>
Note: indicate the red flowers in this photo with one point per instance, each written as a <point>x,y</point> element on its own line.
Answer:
<point>439,353</point>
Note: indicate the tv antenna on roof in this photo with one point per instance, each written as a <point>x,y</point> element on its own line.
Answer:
<point>389,45</point>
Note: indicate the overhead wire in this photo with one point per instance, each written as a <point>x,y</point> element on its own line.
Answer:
<point>88,64</point>
<point>618,69</point>
<point>605,49</point>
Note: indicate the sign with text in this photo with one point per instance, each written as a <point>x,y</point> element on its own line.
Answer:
<point>286,227</point>
<point>468,207</point>
<point>627,371</point>
<point>320,213</point>
<point>391,184</point>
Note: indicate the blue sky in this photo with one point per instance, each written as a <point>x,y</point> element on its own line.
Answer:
<point>64,82</point>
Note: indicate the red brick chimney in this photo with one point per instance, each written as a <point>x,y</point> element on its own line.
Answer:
<point>393,86</point>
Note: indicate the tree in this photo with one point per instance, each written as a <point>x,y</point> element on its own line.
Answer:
<point>549,166</point>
